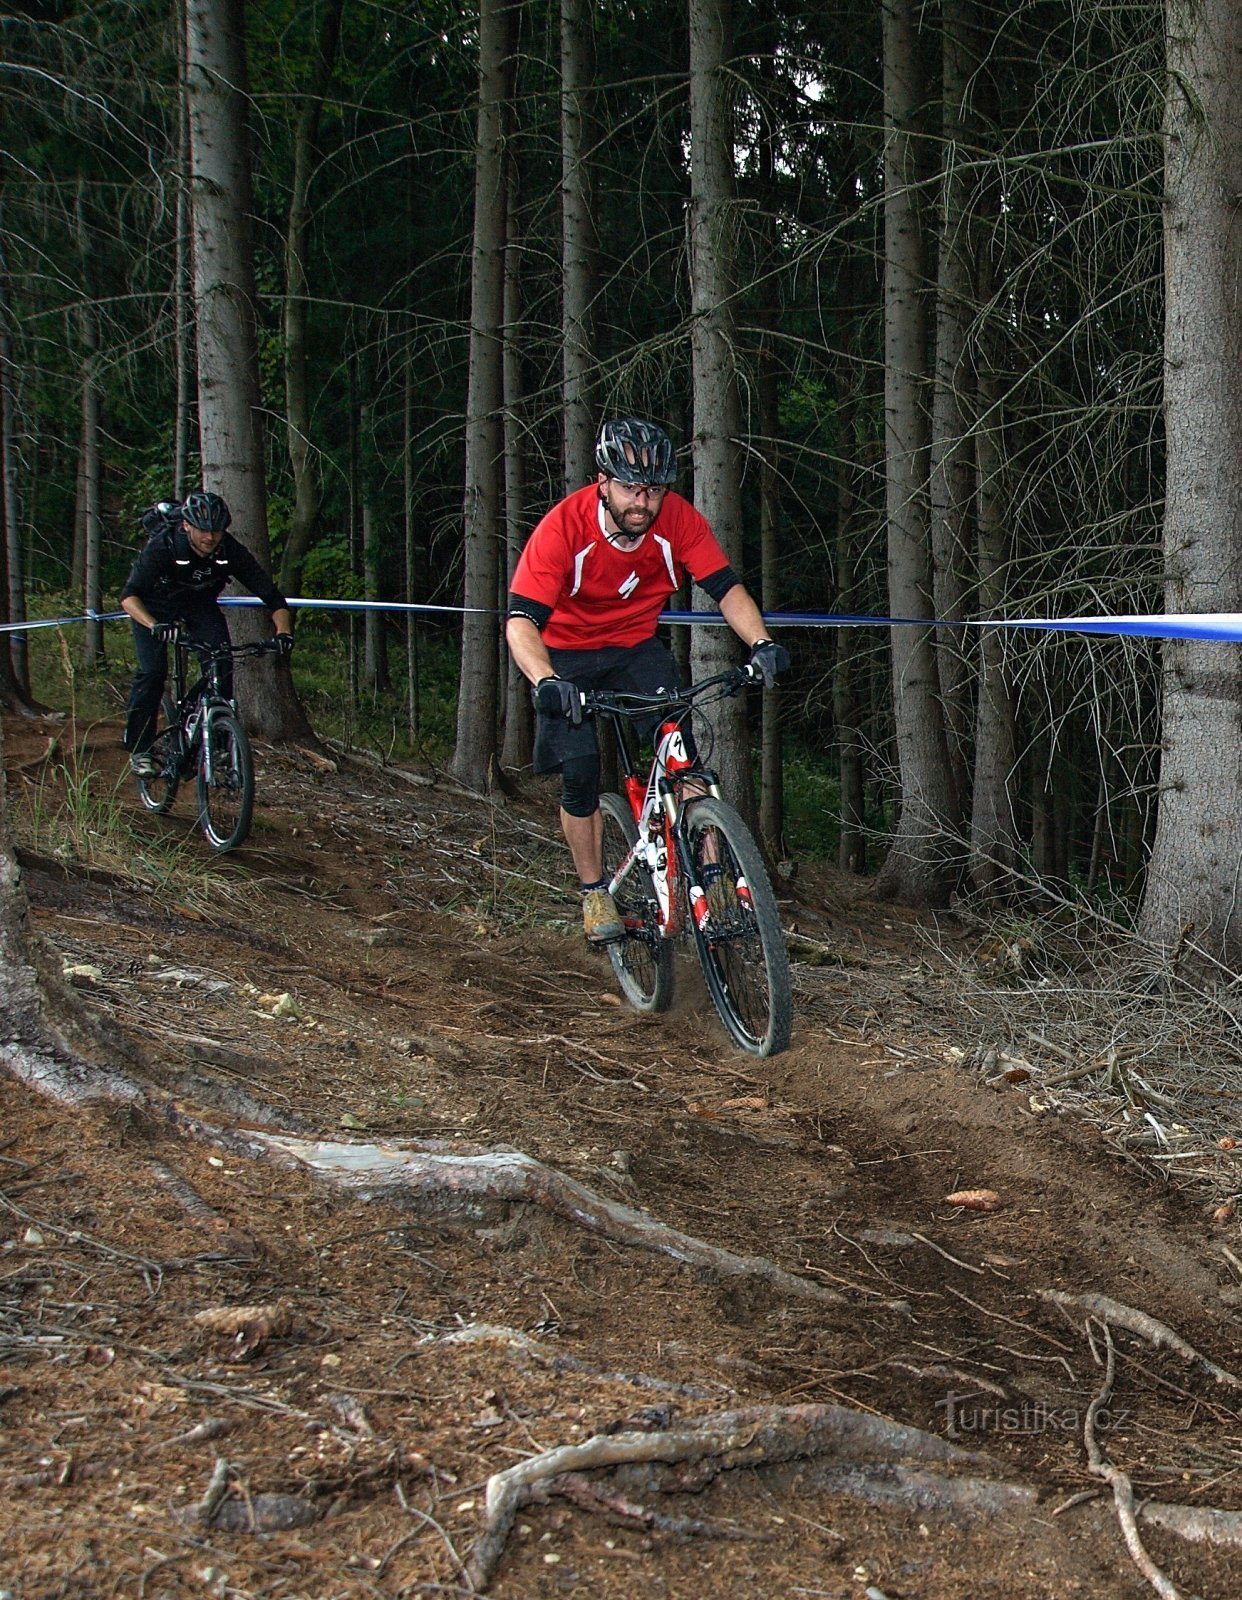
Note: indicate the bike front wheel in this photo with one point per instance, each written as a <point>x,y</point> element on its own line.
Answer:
<point>737,929</point>
<point>225,781</point>
<point>642,960</point>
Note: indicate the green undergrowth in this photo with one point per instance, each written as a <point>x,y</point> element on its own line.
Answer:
<point>73,813</point>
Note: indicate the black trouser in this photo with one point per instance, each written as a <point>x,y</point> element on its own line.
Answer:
<point>205,622</point>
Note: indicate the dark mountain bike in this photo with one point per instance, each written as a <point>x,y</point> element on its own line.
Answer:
<point>203,737</point>
<point>677,855</point>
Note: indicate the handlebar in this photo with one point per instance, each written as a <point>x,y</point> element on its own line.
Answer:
<point>620,704</point>
<point>225,652</point>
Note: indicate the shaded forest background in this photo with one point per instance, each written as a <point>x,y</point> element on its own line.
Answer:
<point>894,277</point>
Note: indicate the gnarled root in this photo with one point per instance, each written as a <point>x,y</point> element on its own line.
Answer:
<point>695,1452</point>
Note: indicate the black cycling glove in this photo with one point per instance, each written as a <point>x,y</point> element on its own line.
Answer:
<point>283,644</point>
<point>165,632</point>
<point>557,697</point>
<point>771,659</point>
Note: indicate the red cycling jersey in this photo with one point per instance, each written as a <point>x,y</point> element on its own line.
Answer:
<point>600,595</point>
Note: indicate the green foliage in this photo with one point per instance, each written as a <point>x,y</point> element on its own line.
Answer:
<point>378,720</point>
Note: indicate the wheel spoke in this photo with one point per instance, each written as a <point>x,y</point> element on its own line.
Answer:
<point>642,960</point>
<point>739,940</point>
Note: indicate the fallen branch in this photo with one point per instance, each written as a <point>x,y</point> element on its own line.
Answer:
<point>1113,1313</point>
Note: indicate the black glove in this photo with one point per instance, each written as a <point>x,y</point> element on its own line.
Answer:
<point>283,644</point>
<point>165,632</point>
<point>557,697</point>
<point>771,659</point>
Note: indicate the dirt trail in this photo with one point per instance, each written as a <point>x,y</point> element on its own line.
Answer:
<point>390,961</point>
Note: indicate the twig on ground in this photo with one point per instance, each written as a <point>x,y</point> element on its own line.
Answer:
<point>1123,1490</point>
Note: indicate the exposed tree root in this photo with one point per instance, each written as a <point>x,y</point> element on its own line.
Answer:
<point>440,1180</point>
<point>1112,1312</point>
<point>1123,1490</point>
<point>697,1451</point>
<point>1197,1524</point>
<point>436,1178</point>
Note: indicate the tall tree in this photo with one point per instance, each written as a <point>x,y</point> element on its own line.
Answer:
<point>577,241</point>
<point>713,347</point>
<point>474,759</point>
<point>229,417</point>
<point>297,301</point>
<point>920,866</point>
<point>1192,886</point>
<point>14,661</point>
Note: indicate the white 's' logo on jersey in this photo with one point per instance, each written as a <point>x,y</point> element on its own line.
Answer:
<point>628,587</point>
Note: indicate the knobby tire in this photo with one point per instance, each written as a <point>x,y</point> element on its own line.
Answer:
<point>741,946</point>
<point>226,802</point>
<point>158,793</point>
<point>642,960</point>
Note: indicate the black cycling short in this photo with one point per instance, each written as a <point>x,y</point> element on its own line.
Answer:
<point>628,669</point>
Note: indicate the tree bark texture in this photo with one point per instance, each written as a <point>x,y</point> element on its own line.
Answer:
<point>297,234</point>
<point>995,844</point>
<point>230,433</point>
<point>519,714</point>
<point>951,465</point>
<point>14,676</point>
<point>921,865</point>
<point>713,346</point>
<point>91,407</point>
<point>45,1039</point>
<point>475,755</point>
<point>577,243</point>
<point>1194,887</point>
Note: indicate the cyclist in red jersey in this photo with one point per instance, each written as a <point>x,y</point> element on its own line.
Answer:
<point>583,608</point>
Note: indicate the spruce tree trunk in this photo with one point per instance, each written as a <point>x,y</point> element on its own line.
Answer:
<point>297,231</point>
<point>14,656</point>
<point>995,847</point>
<point>1192,886</point>
<point>410,544</point>
<point>92,524</point>
<point>921,866</point>
<point>182,297</point>
<point>951,459</point>
<point>230,431</point>
<point>713,341</point>
<point>474,759</point>
<point>577,243</point>
<point>519,717</point>
<point>89,469</point>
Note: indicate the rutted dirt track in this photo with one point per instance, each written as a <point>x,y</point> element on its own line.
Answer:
<point>391,961</point>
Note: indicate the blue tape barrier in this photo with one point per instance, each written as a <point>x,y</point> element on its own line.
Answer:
<point>1222,626</point>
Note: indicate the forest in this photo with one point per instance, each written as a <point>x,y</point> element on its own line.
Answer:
<point>936,301</point>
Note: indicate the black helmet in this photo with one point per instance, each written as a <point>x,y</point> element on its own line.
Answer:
<point>206,511</point>
<point>634,451</point>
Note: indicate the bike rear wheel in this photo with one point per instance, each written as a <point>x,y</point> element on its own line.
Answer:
<point>157,793</point>
<point>225,781</point>
<point>740,943</point>
<point>642,960</point>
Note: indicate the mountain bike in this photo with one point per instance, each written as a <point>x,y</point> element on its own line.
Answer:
<point>677,855</point>
<point>203,736</point>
